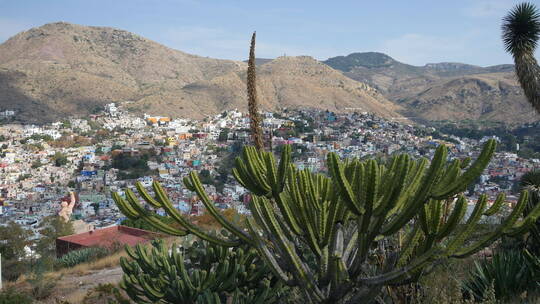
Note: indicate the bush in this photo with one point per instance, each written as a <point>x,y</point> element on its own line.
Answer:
<point>105,293</point>
<point>41,287</point>
<point>81,256</point>
<point>11,296</point>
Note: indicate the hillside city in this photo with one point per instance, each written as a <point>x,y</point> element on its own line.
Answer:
<point>111,150</point>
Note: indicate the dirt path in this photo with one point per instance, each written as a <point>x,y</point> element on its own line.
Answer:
<point>73,288</point>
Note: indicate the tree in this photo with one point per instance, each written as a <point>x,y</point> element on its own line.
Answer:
<point>14,238</point>
<point>96,207</point>
<point>13,241</point>
<point>521,31</point>
<point>224,134</point>
<point>60,159</point>
<point>343,237</point>
<point>51,228</point>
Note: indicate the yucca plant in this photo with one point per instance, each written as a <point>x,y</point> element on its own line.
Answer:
<point>521,31</point>
<point>510,272</point>
<point>199,273</point>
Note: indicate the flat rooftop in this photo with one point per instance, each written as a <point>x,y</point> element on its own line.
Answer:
<point>109,236</point>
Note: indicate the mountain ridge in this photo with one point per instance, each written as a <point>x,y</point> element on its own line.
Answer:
<point>68,69</point>
<point>441,91</point>
<point>62,69</point>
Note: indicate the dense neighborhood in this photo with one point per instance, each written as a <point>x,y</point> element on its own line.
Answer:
<point>112,150</point>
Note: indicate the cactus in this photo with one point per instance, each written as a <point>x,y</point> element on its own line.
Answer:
<point>200,273</point>
<point>333,236</point>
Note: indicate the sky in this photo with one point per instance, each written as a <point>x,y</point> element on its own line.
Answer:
<point>411,31</point>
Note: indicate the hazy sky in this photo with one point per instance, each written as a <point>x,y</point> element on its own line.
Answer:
<point>412,31</point>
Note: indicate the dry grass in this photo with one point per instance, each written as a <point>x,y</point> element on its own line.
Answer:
<point>72,284</point>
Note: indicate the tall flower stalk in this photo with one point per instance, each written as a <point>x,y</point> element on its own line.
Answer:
<point>253,103</point>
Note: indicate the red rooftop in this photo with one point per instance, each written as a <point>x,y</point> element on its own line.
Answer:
<point>106,238</point>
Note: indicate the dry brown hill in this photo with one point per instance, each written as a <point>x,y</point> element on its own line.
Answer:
<point>63,69</point>
<point>442,91</point>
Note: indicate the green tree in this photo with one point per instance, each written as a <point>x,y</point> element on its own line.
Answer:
<point>14,238</point>
<point>51,228</point>
<point>521,31</point>
<point>13,241</point>
<point>59,159</point>
<point>224,134</point>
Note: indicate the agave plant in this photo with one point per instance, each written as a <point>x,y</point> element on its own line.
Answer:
<point>510,273</point>
<point>81,256</point>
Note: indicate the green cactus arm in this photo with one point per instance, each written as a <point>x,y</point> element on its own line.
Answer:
<point>431,178</point>
<point>144,194</point>
<point>334,216</point>
<point>124,207</point>
<point>183,273</point>
<point>404,271</point>
<point>496,205</point>
<point>284,164</point>
<point>506,228</point>
<point>255,167</point>
<point>422,193</point>
<point>172,212</point>
<point>271,173</point>
<point>423,217</point>
<point>521,227</point>
<point>150,219</point>
<point>372,184</point>
<point>473,172</point>
<point>151,290</point>
<point>450,176</point>
<point>336,169</point>
<point>300,269</point>
<point>215,214</point>
<point>350,250</point>
<point>410,243</point>
<point>284,205</point>
<point>399,195</point>
<point>305,222</point>
<point>244,177</point>
<point>454,219</point>
<point>436,214</point>
<point>265,253</point>
<point>468,228</point>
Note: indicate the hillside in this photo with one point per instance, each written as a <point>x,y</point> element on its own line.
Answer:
<point>64,69</point>
<point>441,91</point>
